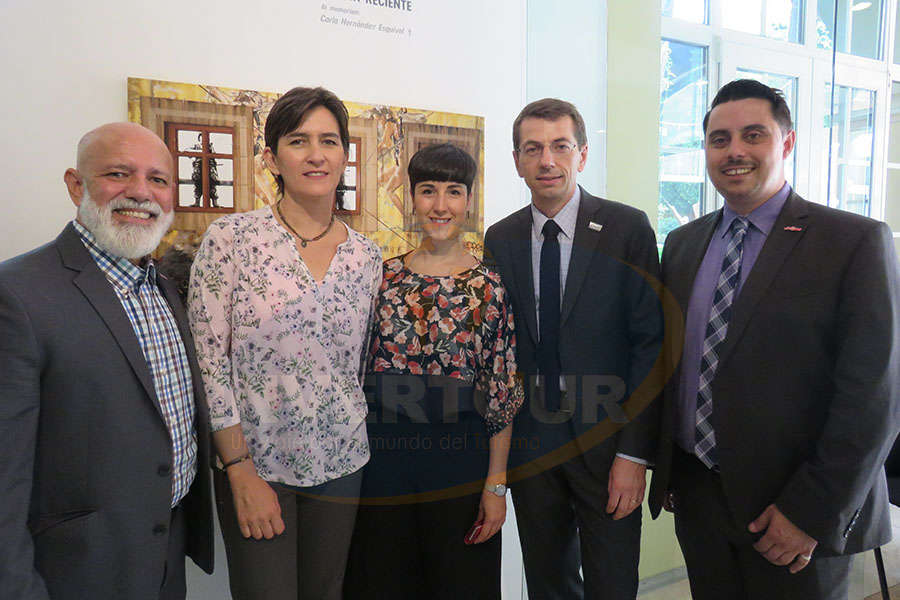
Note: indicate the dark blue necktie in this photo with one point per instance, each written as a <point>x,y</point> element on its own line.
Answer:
<point>548,312</point>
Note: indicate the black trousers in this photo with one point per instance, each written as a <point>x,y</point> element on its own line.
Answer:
<point>307,561</point>
<point>719,554</point>
<point>416,551</point>
<point>563,525</point>
<point>412,545</point>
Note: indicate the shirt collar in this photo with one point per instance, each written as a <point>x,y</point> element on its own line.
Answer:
<point>120,271</point>
<point>762,217</point>
<point>565,218</point>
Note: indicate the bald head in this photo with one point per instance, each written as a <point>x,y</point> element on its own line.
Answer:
<point>99,139</point>
<point>124,188</point>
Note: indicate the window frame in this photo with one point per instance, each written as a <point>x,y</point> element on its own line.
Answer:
<point>172,128</point>
<point>729,50</point>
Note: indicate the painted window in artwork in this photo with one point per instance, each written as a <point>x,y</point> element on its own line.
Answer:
<point>349,192</point>
<point>204,157</point>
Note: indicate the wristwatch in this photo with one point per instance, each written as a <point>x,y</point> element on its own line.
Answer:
<point>498,489</point>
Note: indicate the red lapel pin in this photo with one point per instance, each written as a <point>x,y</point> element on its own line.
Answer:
<point>793,228</point>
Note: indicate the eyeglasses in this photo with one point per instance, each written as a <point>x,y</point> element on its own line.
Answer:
<point>556,149</point>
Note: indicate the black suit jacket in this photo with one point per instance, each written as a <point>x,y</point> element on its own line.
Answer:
<point>610,335</point>
<point>805,398</point>
<point>86,470</point>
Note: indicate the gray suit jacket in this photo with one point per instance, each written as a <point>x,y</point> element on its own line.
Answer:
<point>86,473</point>
<point>806,398</point>
<point>610,335</point>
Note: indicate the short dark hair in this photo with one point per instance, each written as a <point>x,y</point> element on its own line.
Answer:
<point>551,109</point>
<point>741,89</point>
<point>289,110</point>
<point>441,162</point>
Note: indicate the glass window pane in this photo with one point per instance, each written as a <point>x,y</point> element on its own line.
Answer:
<point>894,131</point>
<point>892,209</point>
<point>220,143</point>
<point>186,195</point>
<point>350,177</point>
<point>892,202</point>
<point>742,16</point>
<point>347,200</point>
<point>851,132</point>
<point>221,182</point>
<point>778,19</point>
<point>189,141</point>
<point>683,99</point>
<point>897,37</point>
<point>190,180</point>
<point>788,86</point>
<point>859,27</point>
<point>694,11</point>
<point>224,195</point>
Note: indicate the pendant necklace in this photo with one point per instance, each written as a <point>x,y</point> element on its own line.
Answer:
<point>303,241</point>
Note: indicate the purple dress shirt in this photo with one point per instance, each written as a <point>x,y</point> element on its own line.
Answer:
<point>762,219</point>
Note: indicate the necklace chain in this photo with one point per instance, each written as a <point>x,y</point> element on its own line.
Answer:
<point>303,241</point>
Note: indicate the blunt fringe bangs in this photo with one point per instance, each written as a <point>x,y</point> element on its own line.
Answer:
<point>442,162</point>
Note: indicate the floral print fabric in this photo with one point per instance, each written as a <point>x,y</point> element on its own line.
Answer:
<point>281,353</point>
<point>459,326</point>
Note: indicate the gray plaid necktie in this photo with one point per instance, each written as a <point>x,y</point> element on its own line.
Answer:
<point>716,329</point>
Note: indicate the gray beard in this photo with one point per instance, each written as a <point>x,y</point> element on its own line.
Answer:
<point>131,241</point>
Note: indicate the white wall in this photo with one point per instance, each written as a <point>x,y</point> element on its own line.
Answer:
<point>64,68</point>
<point>566,52</point>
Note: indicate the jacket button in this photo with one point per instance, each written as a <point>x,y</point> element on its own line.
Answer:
<point>159,529</point>
<point>164,470</point>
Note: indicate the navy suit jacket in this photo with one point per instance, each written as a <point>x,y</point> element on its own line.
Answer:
<point>610,337</point>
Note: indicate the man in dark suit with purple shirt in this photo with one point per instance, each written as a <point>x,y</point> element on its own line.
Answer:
<point>784,404</point>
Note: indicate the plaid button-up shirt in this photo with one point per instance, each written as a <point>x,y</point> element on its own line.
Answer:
<point>157,333</point>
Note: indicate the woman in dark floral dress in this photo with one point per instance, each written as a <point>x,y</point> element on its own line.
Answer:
<point>442,377</point>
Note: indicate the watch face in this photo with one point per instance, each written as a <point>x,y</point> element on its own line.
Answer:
<point>499,489</point>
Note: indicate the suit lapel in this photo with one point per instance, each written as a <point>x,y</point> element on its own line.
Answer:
<point>583,246</point>
<point>520,261</point>
<point>688,263</point>
<point>99,292</point>
<point>777,247</point>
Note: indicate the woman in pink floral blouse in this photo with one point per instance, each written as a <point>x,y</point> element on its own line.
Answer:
<point>280,305</point>
<point>442,371</point>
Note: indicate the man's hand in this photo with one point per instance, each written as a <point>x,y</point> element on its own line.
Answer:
<point>783,543</point>
<point>255,502</point>
<point>627,480</point>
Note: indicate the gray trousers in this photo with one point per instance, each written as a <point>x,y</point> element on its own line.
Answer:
<point>563,525</point>
<point>721,561</point>
<point>308,559</point>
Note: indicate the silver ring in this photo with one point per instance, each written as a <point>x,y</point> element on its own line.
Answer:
<point>806,557</point>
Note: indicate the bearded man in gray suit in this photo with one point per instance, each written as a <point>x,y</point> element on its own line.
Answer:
<point>104,474</point>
